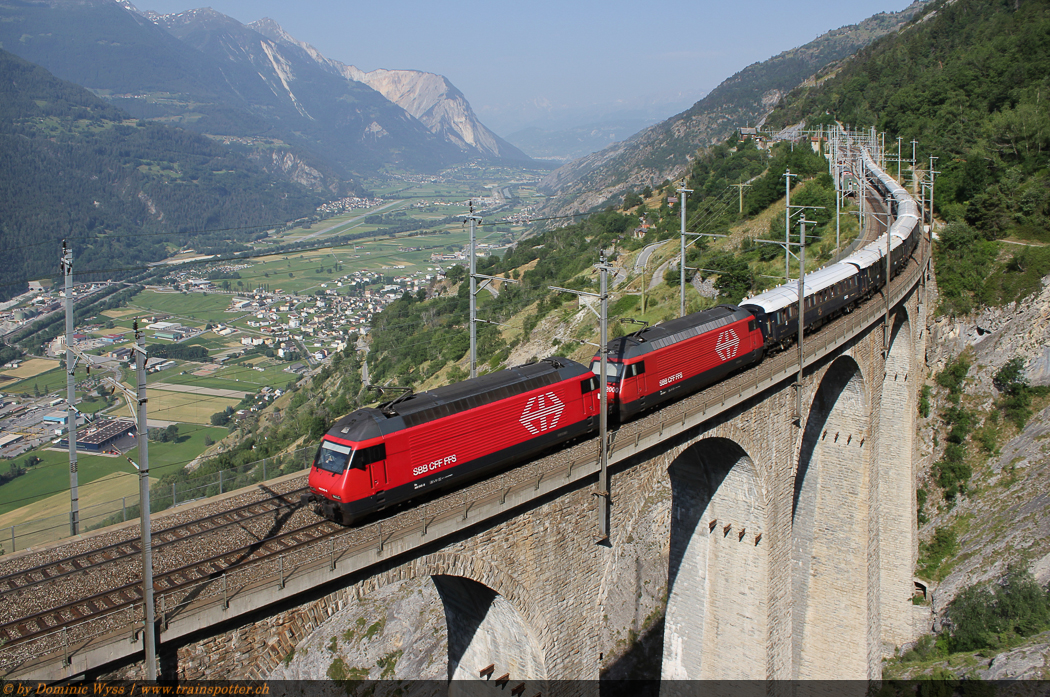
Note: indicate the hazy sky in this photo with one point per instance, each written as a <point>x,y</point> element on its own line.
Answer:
<point>508,57</point>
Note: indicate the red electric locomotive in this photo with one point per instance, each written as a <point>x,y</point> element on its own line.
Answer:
<point>677,357</point>
<point>377,457</point>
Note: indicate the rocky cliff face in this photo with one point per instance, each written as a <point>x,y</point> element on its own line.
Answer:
<point>441,107</point>
<point>1004,517</point>
<point>430,98</point>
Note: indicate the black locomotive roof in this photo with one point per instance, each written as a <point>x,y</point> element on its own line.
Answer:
<point>675,330</point>
<point>451,399</point>
<point>358,426</point>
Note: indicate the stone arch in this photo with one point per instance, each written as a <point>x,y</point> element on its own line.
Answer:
<point>717,618</point>
<point>829,543</point>
<point>484,629</point>
<point>488,613</point>
<point>895,468</point>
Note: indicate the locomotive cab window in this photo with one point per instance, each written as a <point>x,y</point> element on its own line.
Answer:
<point>588,385</point>
<point>367,456</point>
<point>635,369</point>
<point>334,458</point>
<point>613,371</point>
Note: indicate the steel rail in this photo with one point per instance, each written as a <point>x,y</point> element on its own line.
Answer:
<point>90,560</point>
<point>129,594</point>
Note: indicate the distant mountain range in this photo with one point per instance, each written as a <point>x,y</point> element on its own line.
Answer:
<point>296,112</point>
<point>123,192</point>
<point>663,151</point>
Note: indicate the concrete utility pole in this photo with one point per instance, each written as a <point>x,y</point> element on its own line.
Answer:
<point>861,180</point>
<point>889,269</point>
<point>932,173</point>
<point>137,399</point>
<point>473,295</point>
<point>741,186</point>
<point>603,493</point>
<point>681,264</point>
<point>838,195</point>
<point>900,175</point>
<point>801,316</point>
<point>787,222</point>
<point>144,520</point>
<point>71,394</point>
<point>801,307</point>
<point>604,497</point>
<point>914,178</point>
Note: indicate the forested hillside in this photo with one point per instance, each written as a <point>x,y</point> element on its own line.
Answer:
<point>124,192</point>
<point>416,337</point>
<point>971,83</point>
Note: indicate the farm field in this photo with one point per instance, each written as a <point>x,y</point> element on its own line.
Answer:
<point>51,476</point>
<point>196,309</point>
<point>185,407</point>
<point>303,272</point>
<point>235,376</point>
<point>119,313</point>
<point>97,500</point>
<point>30,368</point>
<point>54,379</point>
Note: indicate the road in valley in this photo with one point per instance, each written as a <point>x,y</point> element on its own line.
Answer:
<point>358,219</point>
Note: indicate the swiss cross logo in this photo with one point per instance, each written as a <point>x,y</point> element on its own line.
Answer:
<point>542,413</point>
<point>727,344</point>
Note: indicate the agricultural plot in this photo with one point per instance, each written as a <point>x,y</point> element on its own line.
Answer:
<point>97,500</point>
<point>51,477</point>
<point>194,309</point>
<point>43,383</point>
<point>44,489</point>
<point>120,313</point>
<point>183,407</point>
<point>30,368</point>
<point>212,343</point>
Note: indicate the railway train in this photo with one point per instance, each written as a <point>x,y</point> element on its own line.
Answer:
<point>381,456</point>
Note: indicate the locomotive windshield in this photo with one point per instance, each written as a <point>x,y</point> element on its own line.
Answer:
<point>613,371</point>
<point>333,457</point>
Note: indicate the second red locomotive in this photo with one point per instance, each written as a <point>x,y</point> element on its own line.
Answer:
<point>678,357</point>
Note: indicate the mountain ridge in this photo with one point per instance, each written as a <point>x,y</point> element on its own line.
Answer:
<point>124,191</point>
<point>662,151</point>
<point>210,73</point>
<point>429,97</point>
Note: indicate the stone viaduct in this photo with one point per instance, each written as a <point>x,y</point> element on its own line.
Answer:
<point>745,542</point>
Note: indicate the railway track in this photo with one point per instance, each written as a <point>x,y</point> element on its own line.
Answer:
<point>129,595</point>
<point>91,560</point>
